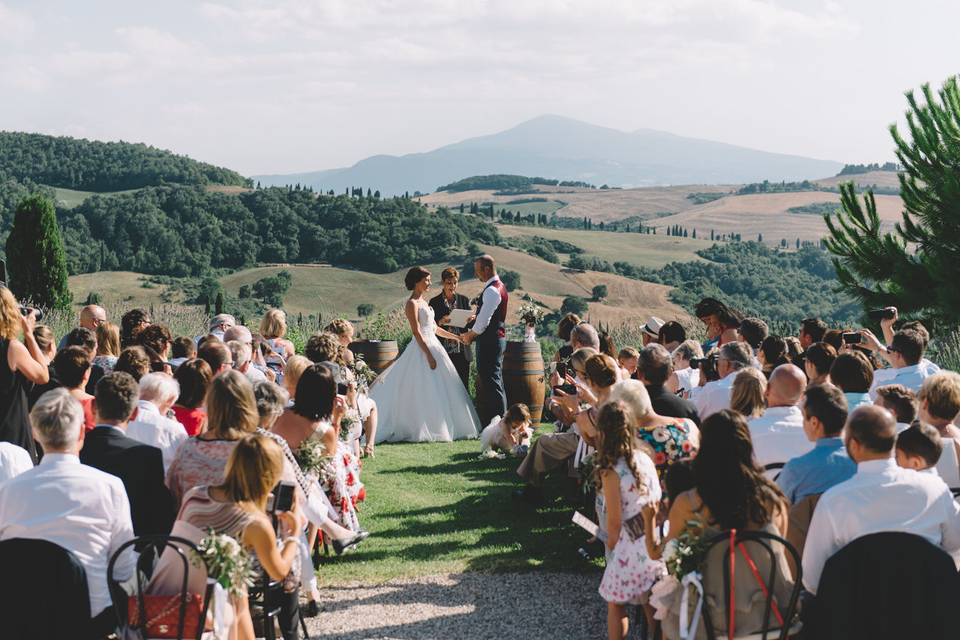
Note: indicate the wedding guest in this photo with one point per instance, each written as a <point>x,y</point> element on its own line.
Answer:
<point>194,378</point>
<point>564,332</point>
<point>880,497</point>
<point>772,354</point>
<point>216,354</point>
<point>359,400</point>
<point>156,340</point>
<point>242,361</point>
<point>134,361</point>
<point>715,396</point>
<point>607,345</point>
<point>904,355</point>
<point>182,349</point>
<point>91,317</point>
<point>237,507</point>
<point>778,434</point>
<point>87,339</point>
<point>685,378</point>
<point>158,393</point>
<point>510,434</point>
<point>671,335</point>
<point>14,460</point>
<point>218,326</point>
<point>748,396</point>
<point>73,505</point>
<point>72,365</point>
<point>853,373</point>
<point>720,320</point>
<point>817,361</point>
<point>650,332</point>
<point>812,331</point>
<point>231,415</point>
<point>108,448</point>
<point>899,401</point>
<point>596,377</point>
<point>919,448</point>
<point>324,348</point>
<point>655,368</point>
<point>273,328</point>
<point>887,324</point>
<point>294,368</point>
<point>824,410</point>
<point>626,483</point>
<point>939,399</point>
<point>794,350</point>
<point>443,305</point>
<point>108,346</point>
<point>629,360</point>
<point>131,324</point>
<point>46,342</point>
<point>753,331</point>
<point>257,369</point>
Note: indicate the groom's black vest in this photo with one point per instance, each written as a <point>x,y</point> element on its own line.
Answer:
<point>498,321</point>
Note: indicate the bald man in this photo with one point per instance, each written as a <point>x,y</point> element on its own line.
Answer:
<point>880,497</point>
<point>91,317</point>
<point>778,434</point>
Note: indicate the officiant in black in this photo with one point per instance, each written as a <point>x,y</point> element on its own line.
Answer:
<point>445,302</point>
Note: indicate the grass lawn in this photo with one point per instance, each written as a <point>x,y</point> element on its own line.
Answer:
<point>438,508</point>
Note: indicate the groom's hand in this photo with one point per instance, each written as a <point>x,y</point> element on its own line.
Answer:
<point>468,337</point>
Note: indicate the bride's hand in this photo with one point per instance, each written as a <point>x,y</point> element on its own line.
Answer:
<point>432,362</point>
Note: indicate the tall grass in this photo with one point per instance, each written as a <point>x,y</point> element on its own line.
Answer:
<point>182,320</point>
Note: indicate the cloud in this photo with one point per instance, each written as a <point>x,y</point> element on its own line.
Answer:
<point>15,26</point>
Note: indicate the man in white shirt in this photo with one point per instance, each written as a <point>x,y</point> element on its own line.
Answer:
<point>715,396</point>
<point>77,507</point>
<point>158,393</point>
<point>489,333</point>
<point>880,497</point>
<point>240,353</point>
<point>14,460</point>
<point>904,354</point>
<point>778,434</point>
<point>218,326</point>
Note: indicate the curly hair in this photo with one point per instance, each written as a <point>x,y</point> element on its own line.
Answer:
<point>324,347</point>
<point>340,327</point>
<point>156,337</point>
<point>616,438</point>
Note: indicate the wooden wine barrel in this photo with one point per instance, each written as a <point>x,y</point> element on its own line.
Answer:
<point>378,354</point>
<point>523,377</point>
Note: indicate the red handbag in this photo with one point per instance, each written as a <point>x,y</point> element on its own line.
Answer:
<point>163,615</point>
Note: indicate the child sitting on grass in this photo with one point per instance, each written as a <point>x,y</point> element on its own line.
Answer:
<point>919,448</point>
<point>511,434</point>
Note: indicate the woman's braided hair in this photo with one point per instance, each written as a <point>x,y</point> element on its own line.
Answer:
<point>616,439</point>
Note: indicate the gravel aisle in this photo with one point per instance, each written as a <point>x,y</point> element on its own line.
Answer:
<point>475,606</point>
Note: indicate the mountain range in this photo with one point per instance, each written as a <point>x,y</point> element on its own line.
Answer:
<point>558,147</point>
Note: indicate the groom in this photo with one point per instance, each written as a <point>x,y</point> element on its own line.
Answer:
<point>489,332</point>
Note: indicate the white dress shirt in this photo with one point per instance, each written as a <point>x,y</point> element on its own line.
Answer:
<point>14,460</point>
<point>911,377</point>
<point>778,435</point>
<point>490,301</point>
<point>157,431</point>
<point>714,396</point>
<point>78,507</point>
<point>880,497</point>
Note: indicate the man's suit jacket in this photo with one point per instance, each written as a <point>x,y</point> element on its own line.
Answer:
<point>671,405</point>
<point>140,467</point>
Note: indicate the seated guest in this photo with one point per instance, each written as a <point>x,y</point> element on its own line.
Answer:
<point>650,332</point>
<point>216,354</point>
<point>668,439</point>
<point>596,376</point>
<point>778,434</point>
<point>715,396</point>
<point>108,448</point>
<point>231,415</point>
<point>904,355</point>
<point>887,325</point>
<point>86,338</point>
<point>324,348</point>
<point>46,352</point>
<point>824,414</point>
<point>243,363</point>
<point>237,507</point>
<point>75,506</point>
<point>14,460</point>
<point>817,361</point>
<point>564,330</point>
<point>182,349</point>
<point>363,404</point>
<point>880,497</point>
<point>685,378</point>
<point>91,318</point>
<point>292,371</point>
<point>853,373</point>
<point>794,350</point>
<point>258,370</point>
<point>939,405</point>
<point>273,328</point>
<point>919,448</point>
<point>108,346</point>
<point>772,354</point>
<point>629,361</point>
<point>730,492</point>
<point>812,331</point>
<point>899,401</point>
<point>753,331</point>
<point>218,326</point>
<point>748,396</point>
<point>133,361</point>
<point>156,340</point>
<point>45,340</point>
<point>194,378</point>
<point>158,393</point>
<point>607,345</point>
<point>131,324</point>
<point>834,338</point>
<point>655,368</point>
<point>671,335</point>
<point>72,365</point>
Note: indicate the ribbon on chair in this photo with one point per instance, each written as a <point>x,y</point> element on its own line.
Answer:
<point>688,627</point>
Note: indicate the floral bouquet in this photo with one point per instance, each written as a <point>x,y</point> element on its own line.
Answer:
<point>363,374</point>
<point>312,457</point>
<point>531,313</point>
<point>685,553</point>
<point>348,423</point>
<point>227,562</point>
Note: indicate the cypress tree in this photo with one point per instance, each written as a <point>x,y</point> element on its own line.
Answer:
<point>35,255</point>
<point>218,303</point>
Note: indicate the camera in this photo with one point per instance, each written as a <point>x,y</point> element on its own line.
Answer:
<point>281,498</point>
<point>568,389</point>
<point>852,337</point>
<point>25,311</point>
<point>887,313</point>
<point>696,363</point>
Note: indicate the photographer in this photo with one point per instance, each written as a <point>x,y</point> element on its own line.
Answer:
<point>715,396</point>
<point>685,377</point>
<point>904,354</point>
<point>21,363</point>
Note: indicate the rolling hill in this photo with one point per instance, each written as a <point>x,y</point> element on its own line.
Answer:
<point>558,147</point>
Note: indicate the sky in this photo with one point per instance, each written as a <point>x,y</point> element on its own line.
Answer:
<point>284,85</point>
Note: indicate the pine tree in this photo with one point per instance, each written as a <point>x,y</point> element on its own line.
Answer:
<point>914,267</point>
<point>759,237</point>
<point>218,303</point>
<point>35,255</point>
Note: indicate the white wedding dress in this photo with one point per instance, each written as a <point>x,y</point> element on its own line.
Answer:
<point>419,404</point>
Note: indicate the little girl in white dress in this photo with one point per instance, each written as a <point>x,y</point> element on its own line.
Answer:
<point>510,435</point>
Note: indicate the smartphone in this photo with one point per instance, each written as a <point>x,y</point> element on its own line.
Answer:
<point>569,389</point>
<point>562,369</point>
<point>852,337</point>
<point>281,498</point>
<point>887,313</point>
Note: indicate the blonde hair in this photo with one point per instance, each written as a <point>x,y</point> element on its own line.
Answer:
<point>340,327</point>
<point>634,395</point>
<point>9,315</point>
<point>747,396</point>
<point>231,407</point>
<point>941,391</point>
<point>108,339</point>
<point>252,470</point>
<point>294,368</point>
<point>273,324</point>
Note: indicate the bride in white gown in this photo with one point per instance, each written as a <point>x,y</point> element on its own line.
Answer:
<point>420,397</point>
